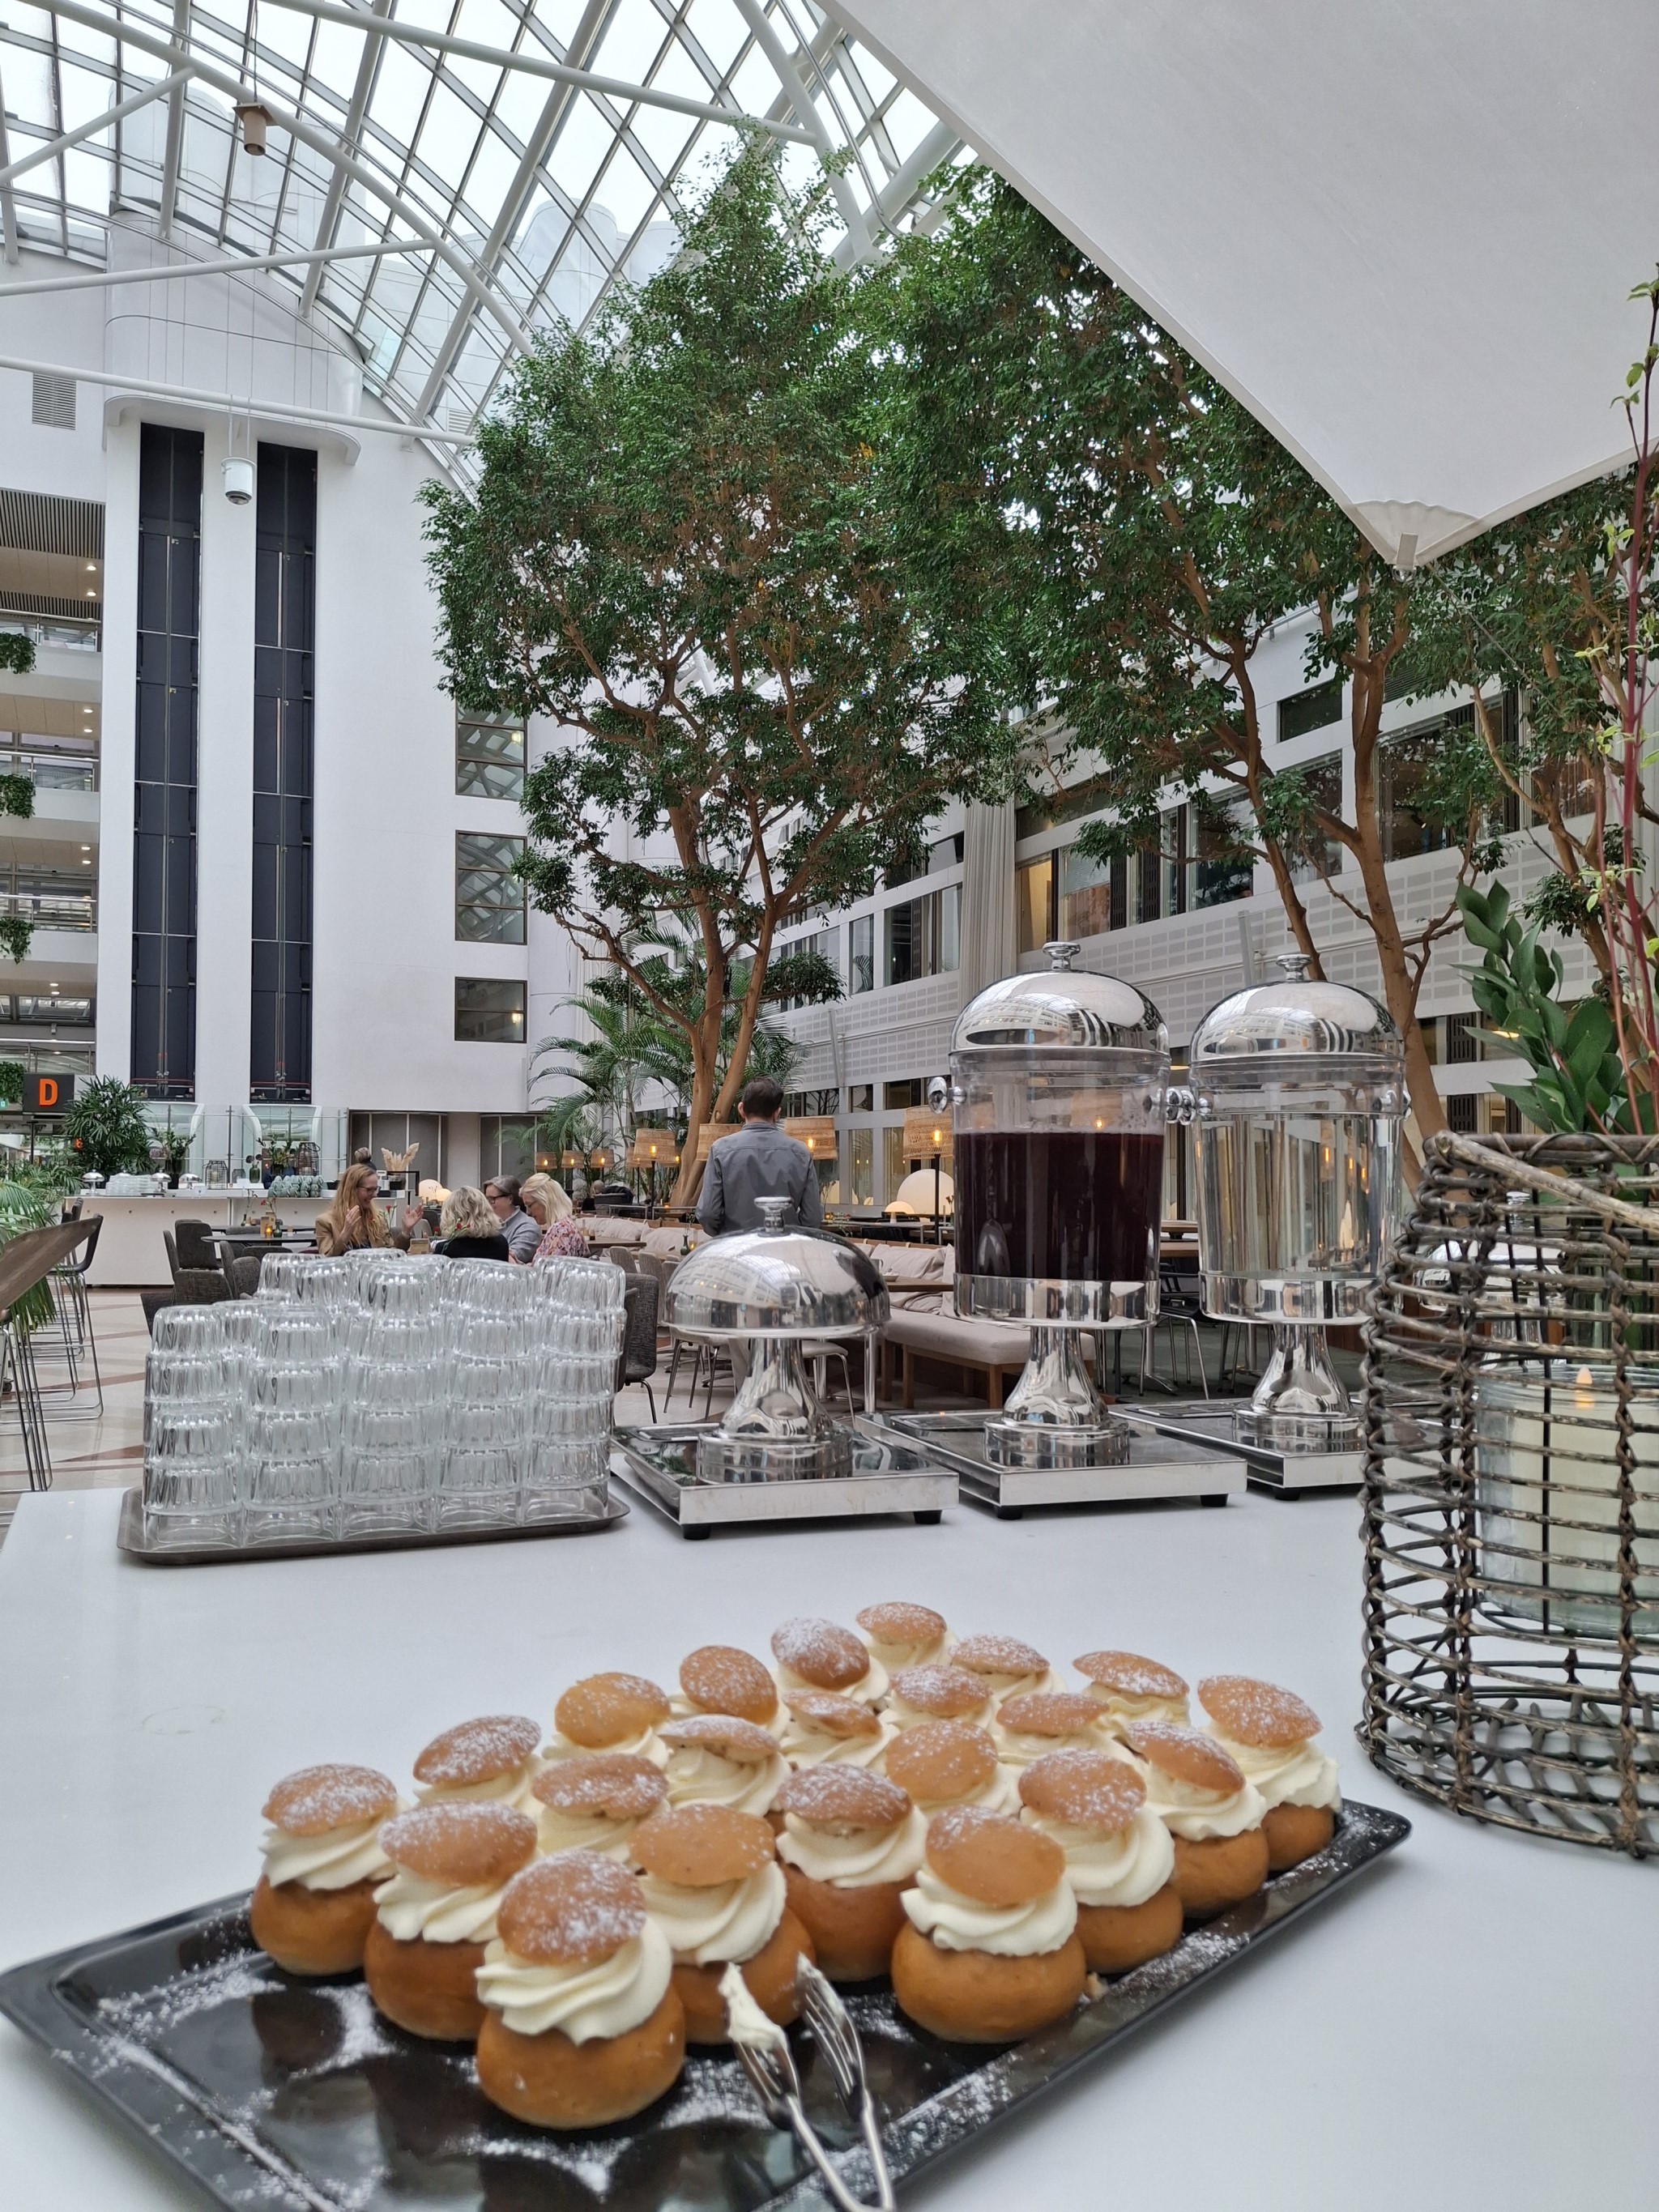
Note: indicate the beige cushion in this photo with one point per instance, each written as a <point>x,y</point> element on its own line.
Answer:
<point>913,1263</point>
<point>937,1333</point>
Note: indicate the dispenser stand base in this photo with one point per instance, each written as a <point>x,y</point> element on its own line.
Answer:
<point>1045,1444</point>
<point>1153,1470</point>
<point>735,1459</point>
<point>1215,1424</point>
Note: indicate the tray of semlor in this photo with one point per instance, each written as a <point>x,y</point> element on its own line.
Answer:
<point>269,2092</point>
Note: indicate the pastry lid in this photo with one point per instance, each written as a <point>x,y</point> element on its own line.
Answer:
<point>1270,1031</point>
<point>1061,1009</point>
<point>774,1281</point>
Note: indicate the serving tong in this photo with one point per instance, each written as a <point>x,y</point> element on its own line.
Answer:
<point>776,2083</point>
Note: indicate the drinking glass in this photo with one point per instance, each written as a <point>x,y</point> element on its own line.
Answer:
<point>189,1329</point>
<point>190,1474</point>
<point>279,1273</point>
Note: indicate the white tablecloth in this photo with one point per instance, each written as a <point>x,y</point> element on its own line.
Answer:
<point>1474,2025</point>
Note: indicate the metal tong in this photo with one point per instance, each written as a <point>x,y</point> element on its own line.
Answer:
<point>777,2084</point>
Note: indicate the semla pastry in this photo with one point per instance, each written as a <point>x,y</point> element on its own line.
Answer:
<point>610,1713</point>
<point>852,1842</point>
<point>1213,1814</point>
<point>715,1759</point>
<point>314,1904</point>
<point>824,1728</point>
<point>917,1695</point>
<point>718,1678</point>
<point>596,1804</point>
<point>1131,1688</point>
<point>899,1634</point>
<point>1041,1721</point>
<point>990,1952</point>
<point>822,1655</point>
<point>942,1763</point>
<point>492,1760</point>
<point>1119,1857</point>
<point>714,1886</point>
<point>1007,1667</point>
<point>582,2024</point>
<point>451,1864</point>
<point>1269,1733</point>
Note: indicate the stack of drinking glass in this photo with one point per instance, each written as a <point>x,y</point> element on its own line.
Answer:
<point>375,1395</point>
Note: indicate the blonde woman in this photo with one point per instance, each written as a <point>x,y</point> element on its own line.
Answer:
<point>353,1219</point>
<point>469,1229</point>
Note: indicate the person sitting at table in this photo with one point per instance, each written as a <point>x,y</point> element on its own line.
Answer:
<point>549,1204</point>
<point>760,1162</point>
<point>522,1234</point>
<point>353,1219</point>
<point>470,1230</point>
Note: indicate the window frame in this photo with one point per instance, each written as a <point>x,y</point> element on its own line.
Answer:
<point>506,984</point>
<point>481,866</point>
<point>481,760</point>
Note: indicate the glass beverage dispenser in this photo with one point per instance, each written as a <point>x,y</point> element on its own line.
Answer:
<point>1059,1086</point>
<point>1299,1091</point>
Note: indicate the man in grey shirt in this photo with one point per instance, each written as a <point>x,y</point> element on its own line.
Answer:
<point>522,1232</point>
<point>760,1162</point>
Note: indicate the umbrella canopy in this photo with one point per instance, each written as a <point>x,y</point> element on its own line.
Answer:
<point>1403,235</point>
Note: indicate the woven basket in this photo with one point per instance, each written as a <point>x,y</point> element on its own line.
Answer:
<point>1512,1501</point>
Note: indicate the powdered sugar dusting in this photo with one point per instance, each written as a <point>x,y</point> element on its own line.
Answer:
<point>1085,1789</point>
<point>1258,1714</point>
<point>321,1798</point>
<point>948,1691</point>
<point>477,1751</point>
<point>574,1908</point>
<point>1128,1673</point>
<point>1186,1754</point>
<point>720,1678</point>
<point>997,1654</point>
<point>820,1651</point>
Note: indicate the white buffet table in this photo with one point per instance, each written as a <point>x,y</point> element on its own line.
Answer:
<point>131,1253</point>
<point>1475,2024</point>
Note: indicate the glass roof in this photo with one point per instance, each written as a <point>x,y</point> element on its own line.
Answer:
<point>478,171</point>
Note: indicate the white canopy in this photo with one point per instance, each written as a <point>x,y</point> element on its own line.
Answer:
<point>1402,232</point>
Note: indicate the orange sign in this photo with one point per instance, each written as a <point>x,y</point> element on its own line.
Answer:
<point>47,1094</point>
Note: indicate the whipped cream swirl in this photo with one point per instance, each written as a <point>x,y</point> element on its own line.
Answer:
<point>1124,1869</point>
<point>1199,1815</point>
<point>584,2002</point>
<point>869,1690</point>
<point>561,1831</point>
<point>999,1794</point>
<point>1000,1687</point>
<point>1017,1750</point>
<point>731,1921</point>
<point>510,1789</point>
<point>1287,1773</point>
<point>802,1746</point>
<point>645,1745</point>
<point>697,1775</point>
<point>956,1922</point>
<point>333,1860</point>
<point>1121,1709</point>
<point>904,1716</point>
<point>858,1861</point>
<point>687,1709</point>
<point>929,1651</point>
<point>411,1907</point>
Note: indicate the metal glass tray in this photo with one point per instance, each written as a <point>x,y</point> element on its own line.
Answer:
<point>1156,1470</point>
<point>272,2092</point>
<point>890,1474</point>
<point>1212,1423</point>
<point>130,1537</point>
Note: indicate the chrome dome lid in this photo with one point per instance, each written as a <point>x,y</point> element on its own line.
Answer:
<point>774,1281</point>
<point>1295,1020</point>
<point>1062,1009</point>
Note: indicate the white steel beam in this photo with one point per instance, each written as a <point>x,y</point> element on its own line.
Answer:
<point>229,403</point>
<point>766,37</point>
<point>53,147</point>
<point>231,264</point>
<point>337,183</point>
<point>172,158</point>
<point>8,200</point>
<point>612,88</point>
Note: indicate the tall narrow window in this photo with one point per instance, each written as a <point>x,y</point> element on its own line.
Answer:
<point>284,642</point>
<point>164,773</point>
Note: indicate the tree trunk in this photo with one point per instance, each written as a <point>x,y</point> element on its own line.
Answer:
<point>705,1063</point>
<point>1400,988</point>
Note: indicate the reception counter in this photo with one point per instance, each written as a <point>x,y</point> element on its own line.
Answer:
<point>130,1255</point>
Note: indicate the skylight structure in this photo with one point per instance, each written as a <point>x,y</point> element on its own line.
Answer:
<point>440,184</point>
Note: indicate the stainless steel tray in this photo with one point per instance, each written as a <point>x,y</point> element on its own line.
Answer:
<point>277,2095</point>
<point>1212,1424</point>
<point>1156,1468</point>
<point>130,1537</point>
<point>890,1475</point>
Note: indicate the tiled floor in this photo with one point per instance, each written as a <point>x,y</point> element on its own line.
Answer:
<point>88,1453</point>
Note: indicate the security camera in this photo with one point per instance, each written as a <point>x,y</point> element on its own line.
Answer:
<point>939,1093</point>
<point>239,480</point>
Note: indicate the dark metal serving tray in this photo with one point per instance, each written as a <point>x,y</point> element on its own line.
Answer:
<point>273,2093</point>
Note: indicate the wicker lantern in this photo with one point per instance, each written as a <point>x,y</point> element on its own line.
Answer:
<point>1512,1490</point>
<point>927,1134</point>
<point>653,1148</point>
<point>817,1132</point>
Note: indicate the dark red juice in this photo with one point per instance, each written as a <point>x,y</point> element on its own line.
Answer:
<point>1078,1206</point>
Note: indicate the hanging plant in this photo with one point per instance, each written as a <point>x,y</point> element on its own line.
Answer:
<point>16,935</point>
<point>17,796</point>
<point>16,651</point>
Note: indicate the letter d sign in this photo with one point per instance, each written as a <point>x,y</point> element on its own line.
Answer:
<point>48,1093</point>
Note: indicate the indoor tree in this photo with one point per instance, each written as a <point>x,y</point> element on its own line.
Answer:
<point>686,550</point>
<point>1132,535</point>
<point>106,1128</point>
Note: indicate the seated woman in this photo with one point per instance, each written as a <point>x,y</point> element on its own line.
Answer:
<point>549,1206</point>
<point>353,1219</point>
<point>470,1230</point>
